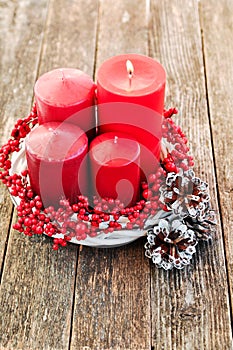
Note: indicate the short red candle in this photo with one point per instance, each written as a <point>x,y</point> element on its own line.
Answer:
<point>133,101</point>
<point>115,167</point>
<point>56,161</point>
<point>66,94</point>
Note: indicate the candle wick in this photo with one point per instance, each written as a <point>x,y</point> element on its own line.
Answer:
<point>50,141</point>
<point>115,139</point>
<point>130,79</point>
<point>63,75</point>
<point>53,136</point>
<point>130,70</point>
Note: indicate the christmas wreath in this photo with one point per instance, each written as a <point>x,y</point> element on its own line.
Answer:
<point>174,212</point>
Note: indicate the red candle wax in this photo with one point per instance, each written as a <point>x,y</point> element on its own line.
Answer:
<point>136,85</point>
<point>56,161</point>
<point>115,167</point>
<point>142,82</point>
<point>66,94</point>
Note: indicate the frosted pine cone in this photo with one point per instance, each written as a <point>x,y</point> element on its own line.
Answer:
<point>170,244</point>
<point>203,224</point>
<point>185,194</point>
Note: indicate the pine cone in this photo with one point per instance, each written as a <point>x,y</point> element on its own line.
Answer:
<point>170,244</point>
<point>203,224</point>
<point>185,194</point>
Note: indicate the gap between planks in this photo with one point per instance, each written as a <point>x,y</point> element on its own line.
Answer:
<point>215,172</point>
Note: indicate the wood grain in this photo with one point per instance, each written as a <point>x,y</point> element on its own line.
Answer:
<point>112,299</point>
<point>36,294</point>
<point>6,210</point>
<point>21,32</point>
<point>38,283</point>
<point>112,307</point>
<point>70,35</point>
<point>217,33</point>
<point>123,28</point>
<point>190,308</point>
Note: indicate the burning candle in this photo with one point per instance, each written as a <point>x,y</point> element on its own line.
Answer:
<point>56,161</point>
<point>66,94</point>
<point>115,167</point>
<point>130,70</point>
<point>132,78</point>
<point>130,95</point>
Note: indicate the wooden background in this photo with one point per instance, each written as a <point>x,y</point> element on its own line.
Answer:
<point>114,299</point>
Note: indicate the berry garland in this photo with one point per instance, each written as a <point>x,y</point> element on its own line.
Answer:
<point>174,209</point>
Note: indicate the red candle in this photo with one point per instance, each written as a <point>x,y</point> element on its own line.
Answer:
<point>56,161</point>
<point>132,78</point>
<point>130,95</point>
<point>115,167</point>
<point>66,94</point>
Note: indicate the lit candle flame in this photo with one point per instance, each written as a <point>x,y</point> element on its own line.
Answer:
<point>130,70</point>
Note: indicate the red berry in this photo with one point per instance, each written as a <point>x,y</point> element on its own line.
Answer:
<point>17,226</point>
<point>144,185</point>
<point>82,211</point>
<point>24,172</point>
<point>147,194</point>
<point>165,208</point>
<point>154,205</point>
<point>129,226</point>
<point>106,217</point>
<point>95,217</point>
<point>27,222</point>
<point>38,204</point>
<point>112,224</point>
<point>95,223</point>
<point>170,167</point>
<point>75,208</point>
<point>105,208</point>
<point>67,238</point>
<point>39,230</point>
<point>156,187</point>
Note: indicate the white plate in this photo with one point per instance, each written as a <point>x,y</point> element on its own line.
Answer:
<point>103,240</point>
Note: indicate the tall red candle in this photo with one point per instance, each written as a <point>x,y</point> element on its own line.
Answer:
<point>56,161</point>
<point>115,167</point>
<point>130,95</point>
<point>66,94</point>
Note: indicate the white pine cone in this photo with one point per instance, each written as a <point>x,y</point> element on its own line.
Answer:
<point>170,244</point>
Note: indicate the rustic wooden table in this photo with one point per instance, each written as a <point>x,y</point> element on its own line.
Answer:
<point>99,299</point>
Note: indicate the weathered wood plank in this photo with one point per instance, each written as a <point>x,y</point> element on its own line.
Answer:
<point>190,309</point>
<point>122,28</point>
<point>38,283</point>
<point>21,31</point>
<point>36,294</point>
<point>6,209</point>
<point>70,35</point>
<point>112,300</point>
<point>217,35</point>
